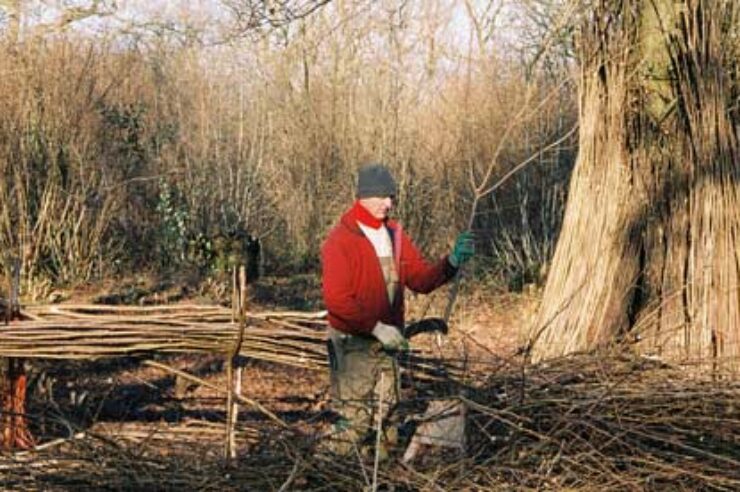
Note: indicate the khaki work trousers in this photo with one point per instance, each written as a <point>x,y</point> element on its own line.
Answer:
<point>364,379</point>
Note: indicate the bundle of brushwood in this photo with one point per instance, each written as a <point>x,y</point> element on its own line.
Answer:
<point>91,332</point>
<point>585,422</point>
<point>85,332</point>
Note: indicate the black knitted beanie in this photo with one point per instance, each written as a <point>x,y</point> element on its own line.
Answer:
<point>375,180</point>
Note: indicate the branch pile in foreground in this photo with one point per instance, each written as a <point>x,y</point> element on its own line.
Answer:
<point>579,423</point>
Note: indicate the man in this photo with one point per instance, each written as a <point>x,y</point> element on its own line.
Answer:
<point>367,261</point>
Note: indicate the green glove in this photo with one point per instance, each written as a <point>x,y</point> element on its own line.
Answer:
<point>464,249</point>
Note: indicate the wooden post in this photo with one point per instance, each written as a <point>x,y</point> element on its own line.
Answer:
<point>233,369</point>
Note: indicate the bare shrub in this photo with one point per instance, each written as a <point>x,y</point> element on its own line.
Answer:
<point>133,158</point>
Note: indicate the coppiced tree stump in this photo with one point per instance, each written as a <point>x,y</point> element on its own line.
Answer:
<point>650,246</point>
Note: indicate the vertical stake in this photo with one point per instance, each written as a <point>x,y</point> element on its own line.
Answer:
<point>378,433</point>
<point>233,370</point>
<point>235,295</point>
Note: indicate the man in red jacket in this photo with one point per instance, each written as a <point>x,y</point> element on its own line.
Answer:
<point>367,262</point>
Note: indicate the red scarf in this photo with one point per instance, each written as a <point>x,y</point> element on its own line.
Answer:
<point>364,217</point>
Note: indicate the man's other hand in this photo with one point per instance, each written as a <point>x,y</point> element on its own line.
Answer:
<point>390,337</point>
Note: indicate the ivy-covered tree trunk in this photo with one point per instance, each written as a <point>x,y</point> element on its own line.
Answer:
<point>650,246</point>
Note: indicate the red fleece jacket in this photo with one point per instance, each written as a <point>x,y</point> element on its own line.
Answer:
<point>353,285</point>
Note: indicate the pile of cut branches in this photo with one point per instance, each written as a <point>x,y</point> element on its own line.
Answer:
<point>608,421</point>
<point>576,423</point>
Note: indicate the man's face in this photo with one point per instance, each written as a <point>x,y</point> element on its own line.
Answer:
<point>378,206</point>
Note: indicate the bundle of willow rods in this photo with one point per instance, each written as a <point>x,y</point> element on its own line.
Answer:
<point>86,332</point>
<point>584,422</point>
<point>91,332</point>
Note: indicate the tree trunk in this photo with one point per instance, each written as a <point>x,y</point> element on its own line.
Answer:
<point>15,431</point>
<point>650,246</point>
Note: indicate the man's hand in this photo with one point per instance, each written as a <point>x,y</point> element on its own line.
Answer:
<point>464,249</point>
<point>390,337</point>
